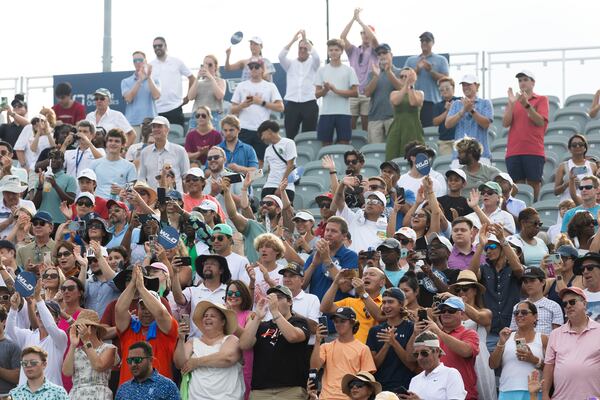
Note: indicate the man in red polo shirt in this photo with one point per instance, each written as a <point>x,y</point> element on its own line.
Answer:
<point>527,117</point>
<point>460,345</point>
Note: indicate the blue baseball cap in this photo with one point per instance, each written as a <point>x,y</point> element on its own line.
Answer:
<point>174,194</point>
<point>454,302</point>
<point>42,216</point>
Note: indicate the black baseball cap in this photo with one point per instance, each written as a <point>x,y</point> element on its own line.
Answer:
<point>345,313</point>
<point>533,273</point>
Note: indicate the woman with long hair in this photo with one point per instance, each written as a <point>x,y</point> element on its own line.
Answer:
<point>410,286</point>
<point>52,280</point>
<point>20,234</point>
<point>208,90</point>
<point>581,230</point>
<point>577,164</point>
<point>64,254</point>
<point>200,139</point>
<point>534,249</point>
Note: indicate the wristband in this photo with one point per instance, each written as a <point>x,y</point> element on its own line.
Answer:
<point>528,106</point>
<point>276,318</point>
<point>332,172</point>
<point>264,103</point>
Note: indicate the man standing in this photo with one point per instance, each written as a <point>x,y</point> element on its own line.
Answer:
<point>336,83</point>
<point>11,131</point>
<point>162,154</point>
<point>254,100</point>
<point>303,304</point>
<point>147,383</point>
<point>37,387</point>
<point>589,189</point>
<point>301,105</point>
<point>472,116</point>
<point>526,115</point>
<point>66,109</point>
<point>108,119</point>
<point>460,344</point>
<point>477,173</point>
<point>99,287</point>
<point>572,361</point>
<point>280,159</point>
<point>11,189</point>
<point>168,71</point>
<point>42,243</point>
<point>85,152</point>
<point>140,91</point>
<point>280,360</point>
<point>430,68</point>
<point>440,112</point>
<point>361,59</point>
<point>52,190</point>
<point>383,80</point>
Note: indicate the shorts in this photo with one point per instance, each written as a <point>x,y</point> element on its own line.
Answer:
<point>360,105</point>
<point>378,130</point>
<point>525,167</point>
<point>251,138</point>
<point>291,393</point>
<point>342,124</point>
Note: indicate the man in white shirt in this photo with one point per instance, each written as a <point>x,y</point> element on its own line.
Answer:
<point>367,225</point>
<point>81,158</point>
<point>108,119</point>
<point>254,100</point>
<point>280,159</point>
<point>11,189</point>
<point>168,71</point>
<point>162,154</point>
<point>301,104</point>
<point>222,244</point>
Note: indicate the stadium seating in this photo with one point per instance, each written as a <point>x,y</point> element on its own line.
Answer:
<point>499,160</point>
<point>431,135</point>
<point>374,151</point>
<point>371,168</point>
<point>564,129</point>
<point>305,155</point>
<point>257,186</point>
<point>583,101</point>
<point>335,151</point>
<point>499,105</point>
<point>499,145</point>
<point>309,188</point>
<point>592,128</point>
<point>177,134</point>
<point>442,163</point>
<point>547,192</point>
<point>550,166</point>
<point>548,210</point>
<point>574,114</point>
<point>556,145</point>
<point>554,105</point>
<point>402,163</point>
<point>525,193</point>
<point>359,139</point>
<point>308,139</point>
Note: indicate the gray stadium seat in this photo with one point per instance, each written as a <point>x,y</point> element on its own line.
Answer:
<point>309,188</point>
<point>336,151</point>
<point>564,129</point>
<point>431,135</point>
<point>403,164</point>
<point>554,106</point>
<point>525,193</point>
<point>573,114</point>
<point>499,160</point>
<point>502,134</point>
<point>497,123</point>
<point>499,105</point>
<point>556,144</point>
<point>298,201</point>
<point>305,155</point>
<point>442,163</point>
<point>374,151</point>
<point>314,168</point>
<point>491,136</point>
<point>359,138</point>
<point>257,186</point>
<point>499,145</point>
<point>548,210</point>
<point>582,100</point>
<point>177,134</point>
<point>371,168</point>
<point>552,162</point>
<point>592,128</point>
<point>308,139</point>
<point>547,192</point>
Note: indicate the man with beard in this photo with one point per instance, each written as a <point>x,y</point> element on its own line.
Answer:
<point>469,152</point>
<point>222,245</point>
<point>214,271</point>
<point>99,287</point>
<point>118,215</point>
<point>239,156</point>
<point>42,243</point>
<point>435,276</point>
<point>62,188</point>
<point>80,158</point>
<point>153,323</point>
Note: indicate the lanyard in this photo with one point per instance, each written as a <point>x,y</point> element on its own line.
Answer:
<point>78,160</point>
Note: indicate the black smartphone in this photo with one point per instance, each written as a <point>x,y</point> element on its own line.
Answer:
<point>161,193</point>
<point>323,321</point>
<point>234,178</point>
<point>422,314</point>
<point>313,378</point>
<point>400,192</point>
<point>437,300</point>
<point>185,261</point>
<point>402,390</point>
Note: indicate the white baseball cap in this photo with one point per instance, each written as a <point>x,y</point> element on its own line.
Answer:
<point>407,232</point>
<point>87,173</point>
<point>527,73</point>
<point>275,199</point>
<point>195,171</point>
<point>208,205</point>
<point>457,171</point>
<point>256,40</point>
<point>380,196</point>
<point>506,177</point>
<point>304,216</point>
<point>87,195</point>
<point>469,78</point>
<point>161,121</point>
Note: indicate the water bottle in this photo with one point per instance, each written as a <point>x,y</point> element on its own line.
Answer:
<point>381,225</point>
<point>47,174</point>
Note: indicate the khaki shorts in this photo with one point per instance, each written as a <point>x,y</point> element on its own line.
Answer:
<point>285,393</point>
<point>445,147</point>
<point>378,130</point>
<point>359,105</point>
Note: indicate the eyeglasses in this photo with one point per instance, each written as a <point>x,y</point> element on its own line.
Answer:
<point>325,205</point>
<point>63,254</point>
<point>231,293</point>
<point>99,98</point>
<point>192,179</point>
<point>29,363</point>
<point>464,288</point>
<point>217,238</point>
<point>419,215</point>
<point>5,297</point>
<point>266,203</point>
<point>488,192</point>
<point>491,246</point>
<point>213,158</point>
<point>135,360</point>
<point>578,144</point>
<point>570,302</point>
<point>404,241</point>
<point>522,313</point>
<point>353,161</point>
<point>448,310</point>
<point>38,222</point>
<point>373,202</point>
<point>201,115</point>
<point>96,226</point>
<point>422,353</point>
<point>49,276</point>
<point>69,288</point>
<point>143,193</point>
<point>357,384</point>
<point>254,66</point>
<point>84,203</point>
<point>586,187</point>
<point>138,60</point>
<point>590,267</point>
<point>157,46</point>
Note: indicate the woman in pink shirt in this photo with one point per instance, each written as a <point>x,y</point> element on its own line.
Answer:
<point>198,141</point>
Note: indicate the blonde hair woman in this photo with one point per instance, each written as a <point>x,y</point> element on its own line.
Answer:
<point>208,90</point>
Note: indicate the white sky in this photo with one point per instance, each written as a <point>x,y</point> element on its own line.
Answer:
<point>65,36</point>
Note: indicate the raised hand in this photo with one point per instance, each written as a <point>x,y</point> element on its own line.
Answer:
<point>511,96</point>
<point>474,198</point>
<point>328,163</point>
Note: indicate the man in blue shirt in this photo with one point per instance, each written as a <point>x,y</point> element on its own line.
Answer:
<point>239,156</point>
<point>34,361</point>
<point>430,68</point>
<point>140,91</point>
<point>588,187</point>
<point>147,383</point>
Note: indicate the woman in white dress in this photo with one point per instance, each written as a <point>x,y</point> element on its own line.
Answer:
<point>479,319</point>
<point>215,360</point>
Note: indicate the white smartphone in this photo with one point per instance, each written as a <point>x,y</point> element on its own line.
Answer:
<point>256,174</point>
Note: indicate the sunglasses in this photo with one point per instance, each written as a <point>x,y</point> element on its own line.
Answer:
<point>37,222</point>
<point>266,203</point>
<point>537,223</point>
<point>5,297</point>
<point>577,144</point>
<point>571,302</point>
<point>143,193</point>
<point>488,192</point>
<point>213,158</point>
<point>49,276</point>
<point>201,115</point>
<point>30,363</point>
<point>404,241</point>
<point>69,288</point>
<point>135,360</point>
<point>464,288</point>
<point>422,353</point>
<point>522,313</point>
<point>231,293</point>
<point>491,246</point>
<point>218,238</point>
<point>96,226</point>
<point>192,179</point>
<point>448,310</point>
<point>351,162</point>
<point>586,187</point>
<point>254,66</point>
<point>84,203</point>
<point>325,205</point>
<point>373,202</point>
<point>157,46</point>
<point>63,254</point>
<point>99,98</point>
<point>590,267</point>
<point>357,384</point>
<point>138,60</point>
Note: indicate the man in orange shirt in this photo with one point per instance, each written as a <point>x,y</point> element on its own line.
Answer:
<point>153,324</point>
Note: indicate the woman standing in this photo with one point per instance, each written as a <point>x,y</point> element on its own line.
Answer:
<point>89,360</point>
<point>479,319</point>
<point>256,46</point>
<point>406,125</point>
<point>214,360</point>
<point>208,90</point>
<point>519,353</point>
<point>199,140</point>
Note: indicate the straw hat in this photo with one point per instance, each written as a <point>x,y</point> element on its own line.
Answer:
<point>467,277</point>
<point>90,317</point>
<point>141,185</point>
<point>361,376</point>
<point>231,324</point>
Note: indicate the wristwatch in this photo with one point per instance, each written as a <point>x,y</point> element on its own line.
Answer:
<point>365,295</point>
<point>88,345</point>
<point>264,103</point>
<point>528,106</point>
<point>472,112</point>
